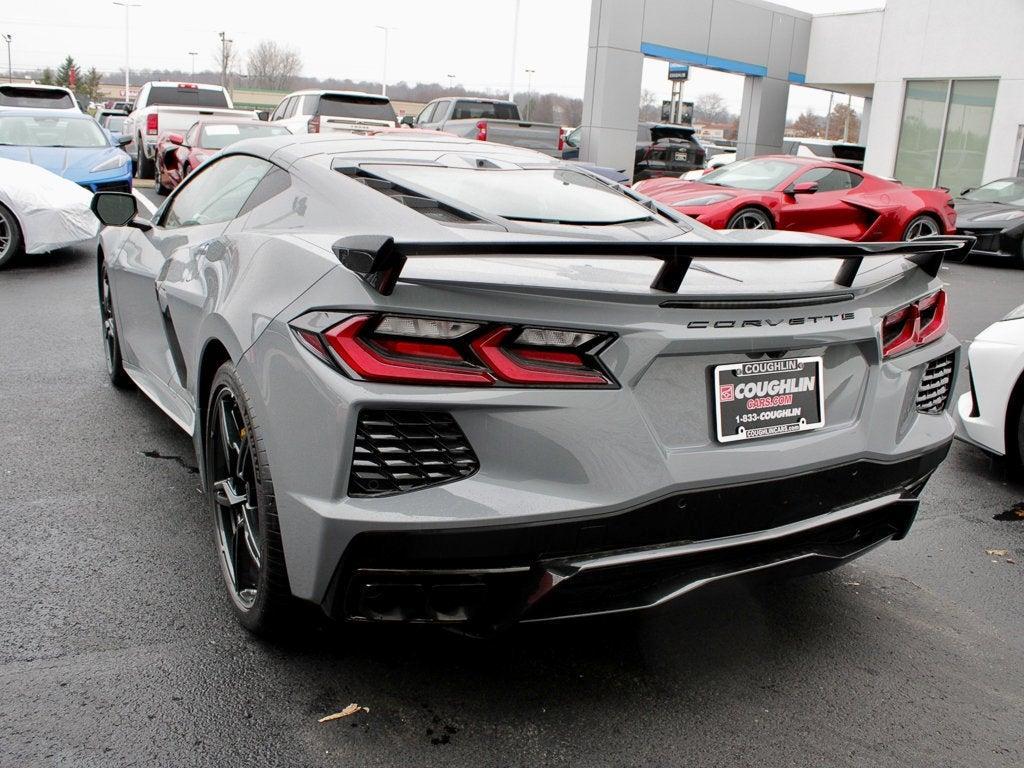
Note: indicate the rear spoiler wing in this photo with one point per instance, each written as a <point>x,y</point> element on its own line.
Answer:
<point>379,260</point>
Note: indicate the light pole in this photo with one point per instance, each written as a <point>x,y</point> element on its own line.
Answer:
<point>127,48</point>
<point>529,90</point>
<point>10,72</point>
<point>451,81</point>
<point>384,75</point>
<point>193,54</point>
<point>515,43</point>
<point>225,58</point>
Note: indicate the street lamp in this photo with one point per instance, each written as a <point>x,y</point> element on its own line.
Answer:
<point>127,48</point>
<point>10,72</point>
<point>529,90</point>
<point>451,81</point>
<point>193,54</point>
<point>515,44</point>
<point>384,76</point>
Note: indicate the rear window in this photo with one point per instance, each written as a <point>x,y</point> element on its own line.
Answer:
<point>171,96</point>
<point>114,123</point>
<point>359,107</point>
<point>555,195</point>
<point>35,98</point>
<point>475,110</point>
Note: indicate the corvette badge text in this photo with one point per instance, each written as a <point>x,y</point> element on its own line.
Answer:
<point>769,322</point>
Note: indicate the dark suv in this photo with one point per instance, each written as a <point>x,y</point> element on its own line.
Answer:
<point>666,150</point>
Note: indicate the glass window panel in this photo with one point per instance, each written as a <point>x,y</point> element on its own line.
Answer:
<point>967,127</point>
<point>924,108</point>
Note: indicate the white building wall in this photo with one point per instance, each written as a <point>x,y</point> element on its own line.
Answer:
<point>875,53</point>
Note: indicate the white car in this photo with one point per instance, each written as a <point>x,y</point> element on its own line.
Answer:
<point>35,96</point>
<point>991,413</point>
<point>41,211</point>
<point>327,111</point>
<point>715,161</point>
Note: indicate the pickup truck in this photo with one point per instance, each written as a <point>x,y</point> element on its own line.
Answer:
<point>164,106</point>
<point>490,120</point>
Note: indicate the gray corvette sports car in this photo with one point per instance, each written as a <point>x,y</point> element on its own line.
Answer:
<point>439,380</point>
<point>994,214</point>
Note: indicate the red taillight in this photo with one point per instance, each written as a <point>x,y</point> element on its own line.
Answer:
<point>189,86</point>
<point>407,350</point>
<point>561,139</point>
<point>152,127</point>
<point>313,126</point>
<point>509,366</point>
<point>914,325</point>
<point>481,130</point>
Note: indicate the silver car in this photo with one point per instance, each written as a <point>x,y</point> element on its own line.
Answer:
<point>438,380</point>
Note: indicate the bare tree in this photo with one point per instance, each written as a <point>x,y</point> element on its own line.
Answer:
<point>273,67</point>
<point>711,108</point>
<point>650,108</point>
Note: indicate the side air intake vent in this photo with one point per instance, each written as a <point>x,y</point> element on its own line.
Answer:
<point>400,451</point>
<point>934,391</point>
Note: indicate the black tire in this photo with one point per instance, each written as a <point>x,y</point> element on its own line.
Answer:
<point>144,167</point>
<point>750,218</point>
<point>11,241</point>
<point>240,496</point>
<point>111,338</point>
<point>921,226</point>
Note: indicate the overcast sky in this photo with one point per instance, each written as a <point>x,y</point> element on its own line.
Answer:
<point>430,40</point>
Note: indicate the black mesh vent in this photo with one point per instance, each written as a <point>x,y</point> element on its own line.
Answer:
<point>399,451</point>
<point>934,391</point>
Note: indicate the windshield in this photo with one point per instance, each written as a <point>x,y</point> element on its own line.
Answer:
<point>751,174</point>
<point>1007,191</point>
<point>359,107</point>
<point>32,131</point>
<point>215,136</point>
<point>537,194</point>
<point>178,96</point>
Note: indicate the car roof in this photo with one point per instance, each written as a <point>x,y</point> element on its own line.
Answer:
<point>176,83</point>
<point>807,161</point>
<point>287,150</point>
<point>329,92</point>
<point>71,114</point>
<point>35,86</point>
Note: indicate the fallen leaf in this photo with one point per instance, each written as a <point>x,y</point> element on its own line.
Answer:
<point>351,709</point>
<point>1010,561</point>
<point>997,552</point>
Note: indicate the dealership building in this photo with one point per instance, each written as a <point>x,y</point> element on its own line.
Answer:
<point>942,80</point>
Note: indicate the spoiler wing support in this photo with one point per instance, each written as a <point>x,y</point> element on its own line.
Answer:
<point>379,260</point>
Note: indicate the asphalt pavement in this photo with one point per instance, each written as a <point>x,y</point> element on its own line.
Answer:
<point>118,648</point>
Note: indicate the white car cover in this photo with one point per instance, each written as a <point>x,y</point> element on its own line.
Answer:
<point>52,211</point>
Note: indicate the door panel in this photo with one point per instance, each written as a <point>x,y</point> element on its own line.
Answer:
<point>824,211</point>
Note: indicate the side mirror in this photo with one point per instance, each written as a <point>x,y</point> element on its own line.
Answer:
<point>122,140</point>
<point>967,191</point>
<point>117,209</point>
<point>803,188</point>
<point>263,114</point>
<point>407,120</point>
<point>176,138</point>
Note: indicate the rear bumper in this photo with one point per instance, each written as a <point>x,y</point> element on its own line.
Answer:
<point>632,559</point>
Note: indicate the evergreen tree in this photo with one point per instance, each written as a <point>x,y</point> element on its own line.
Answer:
<point>47,77</point>
<point>89,85</point>
<point>65,76</point>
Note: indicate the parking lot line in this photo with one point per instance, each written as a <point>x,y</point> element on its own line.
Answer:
<point>142,199</point>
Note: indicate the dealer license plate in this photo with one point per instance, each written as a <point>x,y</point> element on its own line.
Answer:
<point>768,398</point>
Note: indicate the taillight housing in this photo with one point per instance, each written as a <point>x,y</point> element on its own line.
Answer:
<point>152,124</point>
<point>914,325</point>
<point>561,139</point>
<point>481,130</point>
<point>313,126</point>
<point>400,349</point>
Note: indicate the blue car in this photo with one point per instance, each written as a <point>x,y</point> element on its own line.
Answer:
<point>68,144</point>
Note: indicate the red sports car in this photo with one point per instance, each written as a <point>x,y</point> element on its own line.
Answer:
<point>807,195</point>
<point>177,155</point>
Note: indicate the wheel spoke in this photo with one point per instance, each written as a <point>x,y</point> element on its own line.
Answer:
<point>248,535</point>
<point>227,443</point>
